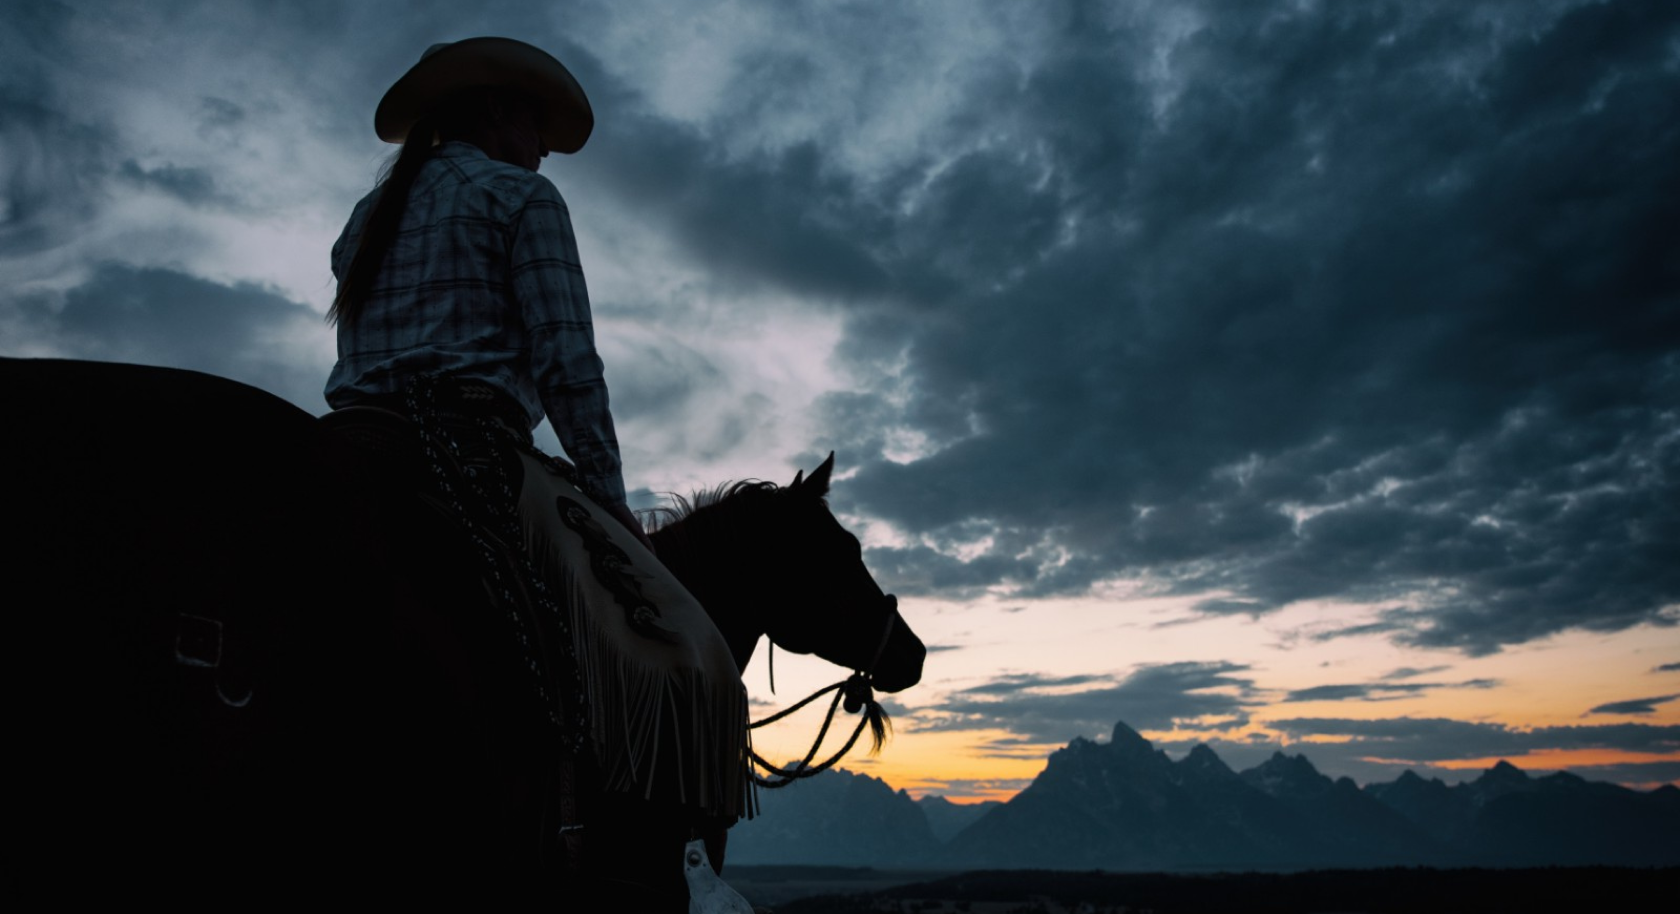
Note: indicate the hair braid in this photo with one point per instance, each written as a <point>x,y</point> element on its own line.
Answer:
<point>382,223</point>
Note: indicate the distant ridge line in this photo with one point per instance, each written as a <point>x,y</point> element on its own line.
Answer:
<point>1125,805</point>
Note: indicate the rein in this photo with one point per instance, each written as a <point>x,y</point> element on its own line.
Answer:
<point>858,695</point>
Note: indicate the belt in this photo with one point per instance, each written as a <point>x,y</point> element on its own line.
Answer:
<point>465,398</point>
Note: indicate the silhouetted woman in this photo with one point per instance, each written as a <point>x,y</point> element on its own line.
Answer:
<point>462,262</point>
<point>461,303</point>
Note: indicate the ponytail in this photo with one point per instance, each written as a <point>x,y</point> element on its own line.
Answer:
<point>382,223</point>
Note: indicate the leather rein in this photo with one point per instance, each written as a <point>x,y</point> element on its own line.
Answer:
<point>858,695</point>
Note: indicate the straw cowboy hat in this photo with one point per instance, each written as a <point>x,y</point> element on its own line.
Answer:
<point>504,62</point>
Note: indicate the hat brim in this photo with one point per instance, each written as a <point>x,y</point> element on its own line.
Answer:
<point>567,119</point>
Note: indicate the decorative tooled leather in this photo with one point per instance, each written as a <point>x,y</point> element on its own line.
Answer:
<point>613,569</point>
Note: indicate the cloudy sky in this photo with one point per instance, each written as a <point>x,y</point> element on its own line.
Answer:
<point>1298,374</point>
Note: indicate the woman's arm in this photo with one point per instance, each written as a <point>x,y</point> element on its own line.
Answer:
<point>548,284</point>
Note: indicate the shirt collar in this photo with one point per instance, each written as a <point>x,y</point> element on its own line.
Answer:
<point>457,149</point>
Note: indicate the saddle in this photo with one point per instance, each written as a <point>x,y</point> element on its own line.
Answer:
<point>378,439</point>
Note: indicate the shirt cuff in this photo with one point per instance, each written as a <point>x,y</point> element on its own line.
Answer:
<point>609,488</point>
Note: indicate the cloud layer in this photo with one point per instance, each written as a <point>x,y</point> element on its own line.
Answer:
<point>1038,710</point>
<point>1371,305</point>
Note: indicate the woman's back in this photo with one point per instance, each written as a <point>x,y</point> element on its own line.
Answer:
<point>481,281</point>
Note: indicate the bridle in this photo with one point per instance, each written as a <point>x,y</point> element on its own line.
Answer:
<point>858,695</point>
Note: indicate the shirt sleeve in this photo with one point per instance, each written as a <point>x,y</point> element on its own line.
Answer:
<point>341,249</point>
<point>548,284</point>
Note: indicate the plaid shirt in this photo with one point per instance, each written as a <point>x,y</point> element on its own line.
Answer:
<point>483,282</point>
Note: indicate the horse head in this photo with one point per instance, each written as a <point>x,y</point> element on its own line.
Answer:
<point>838,612</point>
<point>773,560</point>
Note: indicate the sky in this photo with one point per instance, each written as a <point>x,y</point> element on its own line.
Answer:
<point>1275,375</point>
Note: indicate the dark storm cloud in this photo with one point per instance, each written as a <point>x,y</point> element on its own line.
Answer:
<point>921,570</point>
<point>54,168</point>
<point>1407,672</point>
<point>1381,691</point>
<point>1014,748</point>
<point>1152,697</point>
<point>1667,668</point>
<point>1634,705</point>
<point>59,154</point>
<point>785,221</point>
<point>165,317</point>
<point>218,114</point>
<point>69,151</point>
<point>1012,683</point>
<point>1368,302</point>
<point>189,185</point>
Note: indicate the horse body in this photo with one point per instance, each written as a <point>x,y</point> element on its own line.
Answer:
<point>248,650</point>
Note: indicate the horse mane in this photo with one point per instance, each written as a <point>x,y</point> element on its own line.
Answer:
<point>711,511</point>
<point>682,508</point>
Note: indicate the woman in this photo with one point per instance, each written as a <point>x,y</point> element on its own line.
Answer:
<point>461,303</point>
<point>462,262</point>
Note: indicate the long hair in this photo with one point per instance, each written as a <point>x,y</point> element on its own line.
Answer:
<point>458,116</point>
<point>380,228</point>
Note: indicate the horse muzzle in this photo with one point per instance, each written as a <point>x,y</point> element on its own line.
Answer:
<point>899,664</point>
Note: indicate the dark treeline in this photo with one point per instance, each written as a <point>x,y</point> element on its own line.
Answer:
<point>1385,891</point>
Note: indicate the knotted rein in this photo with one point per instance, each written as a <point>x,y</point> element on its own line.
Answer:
<point>857,693</point>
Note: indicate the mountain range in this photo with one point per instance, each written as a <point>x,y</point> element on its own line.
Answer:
<point>1124,805</point>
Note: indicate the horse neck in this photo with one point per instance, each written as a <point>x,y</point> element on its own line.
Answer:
<point>697,551</point>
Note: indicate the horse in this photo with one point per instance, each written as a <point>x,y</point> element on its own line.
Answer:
<point>247,655</point>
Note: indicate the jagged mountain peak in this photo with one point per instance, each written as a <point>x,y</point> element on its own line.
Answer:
<point>1290,765</point>
<point>1128,753</point>
<point>1506,771</point>
<point>1503,776</point>
<point>1203,754</point>
<point>1410,784</point>
<point>1202,760</point>
<point>1128,741</point>
<point>1287,776</point>
<point>838,817</point>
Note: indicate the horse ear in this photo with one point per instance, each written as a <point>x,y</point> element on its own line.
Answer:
<point>797,478</point>
<point>818,483</point>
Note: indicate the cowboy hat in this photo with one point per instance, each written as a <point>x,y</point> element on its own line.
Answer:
<point>504,62</point>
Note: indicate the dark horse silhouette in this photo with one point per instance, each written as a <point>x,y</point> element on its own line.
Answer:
<point>246,658</point>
